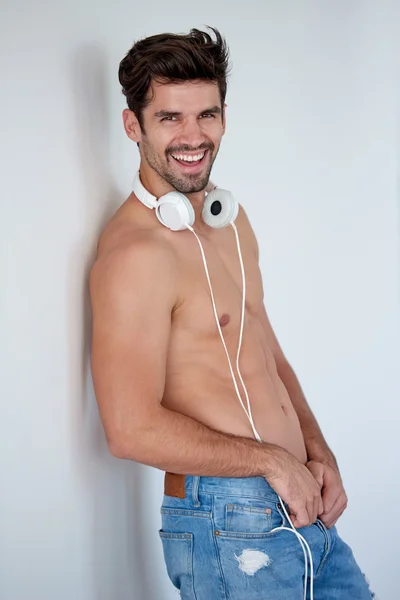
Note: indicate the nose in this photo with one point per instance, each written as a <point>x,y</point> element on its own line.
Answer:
<point>191,133</point>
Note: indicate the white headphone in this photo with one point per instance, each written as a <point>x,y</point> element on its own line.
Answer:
<point>175,211</point>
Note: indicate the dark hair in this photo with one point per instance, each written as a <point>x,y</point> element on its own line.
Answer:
<point>169,58</point>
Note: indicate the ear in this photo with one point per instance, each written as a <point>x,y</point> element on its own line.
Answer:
<point>131,125</point>
<point>224,118</point>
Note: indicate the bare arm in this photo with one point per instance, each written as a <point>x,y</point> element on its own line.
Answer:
<point>317,448</point>
<point>179,444</point>
<point>316,445</point>
<point>321,460</point>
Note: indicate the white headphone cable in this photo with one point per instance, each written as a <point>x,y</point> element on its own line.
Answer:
<point>258,437</point>
<point>302,541</point>
<point>219,329</point>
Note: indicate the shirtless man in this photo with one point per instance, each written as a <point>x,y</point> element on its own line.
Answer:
<point>161,376</point>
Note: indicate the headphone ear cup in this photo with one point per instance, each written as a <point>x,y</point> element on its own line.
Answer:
<point>175,211</point>
<point>220,209</point>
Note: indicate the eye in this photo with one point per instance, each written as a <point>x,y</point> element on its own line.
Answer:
<point>170,118</point>
<point>207,116</point>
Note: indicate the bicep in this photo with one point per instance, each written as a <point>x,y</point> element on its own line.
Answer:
<point>132,300</point>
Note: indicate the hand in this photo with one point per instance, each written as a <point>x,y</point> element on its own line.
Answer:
<point>295,484</point>
<point>332,491</point>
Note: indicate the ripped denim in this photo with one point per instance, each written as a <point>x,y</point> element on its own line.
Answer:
<point>218,544</point>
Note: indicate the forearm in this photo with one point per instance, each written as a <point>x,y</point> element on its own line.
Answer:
<point>317,448</point>
<point>176,443</point>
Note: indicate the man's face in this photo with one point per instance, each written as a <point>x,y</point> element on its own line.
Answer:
<point>183,128</point>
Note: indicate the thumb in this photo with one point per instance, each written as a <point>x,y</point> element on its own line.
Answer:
<point>295,521</point>
<point>317,471</point>
<point>321,507</point>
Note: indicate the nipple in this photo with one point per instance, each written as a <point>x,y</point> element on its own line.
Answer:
<point>224,320</point>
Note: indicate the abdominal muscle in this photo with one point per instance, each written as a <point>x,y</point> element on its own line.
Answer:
<point>199,385</point>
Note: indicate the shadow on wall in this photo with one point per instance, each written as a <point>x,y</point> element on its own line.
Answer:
<point>113,489</point>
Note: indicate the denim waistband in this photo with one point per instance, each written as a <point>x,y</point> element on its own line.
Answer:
<point>232,486</point>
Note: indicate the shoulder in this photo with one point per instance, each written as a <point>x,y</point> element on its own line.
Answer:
<point>246,231</point>
<point>129,259</point>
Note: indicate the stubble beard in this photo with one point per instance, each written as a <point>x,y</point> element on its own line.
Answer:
<point>188,184</point>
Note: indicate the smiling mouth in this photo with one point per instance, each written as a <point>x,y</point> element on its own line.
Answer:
<point>189,160</point>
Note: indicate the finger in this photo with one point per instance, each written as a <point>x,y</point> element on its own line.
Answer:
<point>318,507</point>
<point>330,496</point>
<point>312,513</point>
<point>337,512</point>
<point>318,475</point>
<point>317,471</point>
<point>328,523</point>
<point>333,515</point>
<point>315,509</point>
<point>321,506</point>
<point>338,507</point>
<point>329,519</point>
<point>301,518</point>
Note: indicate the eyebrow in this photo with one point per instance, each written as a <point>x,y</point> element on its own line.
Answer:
<point>214,110</point>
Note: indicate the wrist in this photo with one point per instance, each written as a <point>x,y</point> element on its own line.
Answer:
<point>275,459</point>
<point>326,458</point>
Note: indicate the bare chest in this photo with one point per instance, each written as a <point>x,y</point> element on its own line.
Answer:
<point>195,316</point>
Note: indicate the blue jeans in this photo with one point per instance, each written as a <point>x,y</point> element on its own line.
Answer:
<point>218,544</point>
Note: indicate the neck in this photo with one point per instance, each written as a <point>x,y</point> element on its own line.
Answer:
<point>157,186</point>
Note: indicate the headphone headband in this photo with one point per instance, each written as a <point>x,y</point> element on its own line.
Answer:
<point>140,192</point>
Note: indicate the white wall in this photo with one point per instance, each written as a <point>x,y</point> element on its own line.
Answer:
<point>311,152</point>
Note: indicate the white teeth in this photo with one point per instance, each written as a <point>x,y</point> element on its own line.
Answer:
<point>188,158</point>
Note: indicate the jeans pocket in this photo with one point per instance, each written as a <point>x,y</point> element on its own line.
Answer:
<point>178,556</point>
<point>250,518</point>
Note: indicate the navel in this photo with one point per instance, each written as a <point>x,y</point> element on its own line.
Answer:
<point>224,320</point>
